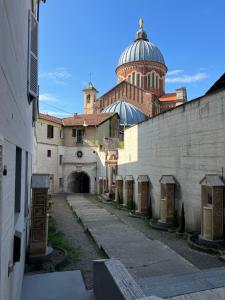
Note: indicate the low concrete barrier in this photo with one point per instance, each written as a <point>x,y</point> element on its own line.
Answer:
<point>113,281</point>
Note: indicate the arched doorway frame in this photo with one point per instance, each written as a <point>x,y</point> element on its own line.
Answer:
<point>78,173</point>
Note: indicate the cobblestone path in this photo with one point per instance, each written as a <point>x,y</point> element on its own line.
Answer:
<point>76,237</point>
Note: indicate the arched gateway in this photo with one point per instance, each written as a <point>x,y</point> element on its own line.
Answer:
<point>78,182</point>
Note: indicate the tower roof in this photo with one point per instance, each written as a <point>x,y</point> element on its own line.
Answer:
<point>89,87</point>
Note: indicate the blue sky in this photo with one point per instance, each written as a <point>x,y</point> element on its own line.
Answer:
<point>82,36</point>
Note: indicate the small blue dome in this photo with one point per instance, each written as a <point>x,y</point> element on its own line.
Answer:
<point>141,50</point>
<point>129,114</point>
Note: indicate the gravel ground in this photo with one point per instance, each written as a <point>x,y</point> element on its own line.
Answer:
<point>77,238</point>
<point>199,259</point>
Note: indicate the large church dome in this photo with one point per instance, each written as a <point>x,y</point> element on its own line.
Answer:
<point>142,64</point>
<point>141,50</point>
<point>129,114</point>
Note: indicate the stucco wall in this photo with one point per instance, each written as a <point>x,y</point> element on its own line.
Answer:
<point>187,142</point>
<point>15,130</point>
<point>42,133</point>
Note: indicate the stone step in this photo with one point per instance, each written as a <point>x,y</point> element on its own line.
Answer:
<point>183,283</point>
<point>55,286</point>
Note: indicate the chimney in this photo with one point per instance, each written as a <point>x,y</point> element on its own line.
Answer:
<point>181,94</point>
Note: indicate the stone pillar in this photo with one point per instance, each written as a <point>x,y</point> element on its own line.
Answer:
<point>129,191</point>
<point>39,218</point>
<point>100,185</point>
<point>143,194</point>
<point>212,199</point>
<point>119,189</point>
<point>167,200</point>
<point>110,174</point>
<point>105,184</point>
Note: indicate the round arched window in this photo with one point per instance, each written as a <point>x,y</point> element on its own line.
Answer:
<point>88,98</point>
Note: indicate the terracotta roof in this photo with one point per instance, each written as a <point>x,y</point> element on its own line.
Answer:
<point>168,97</point>
<point>77,120</point>
<point>89,119</point>
<point>50,118</point>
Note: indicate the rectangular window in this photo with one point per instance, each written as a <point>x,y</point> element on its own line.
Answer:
<point>18,175</point>
<point>61,183</point>
<point>74,132</point>
<point>80,134</point>
<point>49,153</point>
<point>26,187</point>
<point>60,159</point>
<point>1,167</point>
<point>50,132</point>
<point>61,134</point>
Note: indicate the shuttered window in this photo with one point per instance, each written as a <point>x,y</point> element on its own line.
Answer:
<point>33,57</point>
<point>74,132</point>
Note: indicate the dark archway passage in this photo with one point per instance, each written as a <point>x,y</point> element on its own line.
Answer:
<point>78,182</point>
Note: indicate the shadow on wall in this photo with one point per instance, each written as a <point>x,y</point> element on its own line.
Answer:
<point>78,182</point>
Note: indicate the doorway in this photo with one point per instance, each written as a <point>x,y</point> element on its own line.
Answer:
<point>78,182</point>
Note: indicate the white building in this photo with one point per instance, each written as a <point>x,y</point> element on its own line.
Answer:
<point>70,149</point>
<point>18,100</point>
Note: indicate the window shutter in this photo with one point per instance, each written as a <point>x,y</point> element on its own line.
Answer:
<point>33,57</point>
<point>74,132</point>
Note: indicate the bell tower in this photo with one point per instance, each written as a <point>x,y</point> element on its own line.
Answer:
<point>90,93</point>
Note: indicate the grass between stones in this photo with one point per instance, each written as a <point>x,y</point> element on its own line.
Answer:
<point>57,239</point>
<point>99,250</point>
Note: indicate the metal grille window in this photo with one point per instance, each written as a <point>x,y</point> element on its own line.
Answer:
<point>33,57</point>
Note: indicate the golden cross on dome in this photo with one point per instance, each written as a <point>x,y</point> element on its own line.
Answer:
<point>141,22</point>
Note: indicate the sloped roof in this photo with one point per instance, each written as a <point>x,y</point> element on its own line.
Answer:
<point>168,97</point>
<point>89,119</point>
<point>50,118</point>
<point>167,179</point>
<point>212,180</point>
<point>143,178</point>
<point>78,120</point>
<point>218,85</point>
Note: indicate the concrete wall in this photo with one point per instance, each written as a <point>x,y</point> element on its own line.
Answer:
<point>187,142</point>
<point>15,130</point>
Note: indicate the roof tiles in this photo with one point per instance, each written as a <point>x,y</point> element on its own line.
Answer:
<point>78,120</point>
